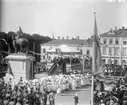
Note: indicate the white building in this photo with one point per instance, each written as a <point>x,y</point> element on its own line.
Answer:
<point>61,47</point>
<point>114,46</point>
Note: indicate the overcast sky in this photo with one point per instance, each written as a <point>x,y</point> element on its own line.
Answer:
<point>62,17</point>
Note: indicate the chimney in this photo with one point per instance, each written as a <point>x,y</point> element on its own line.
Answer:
<point>63,38</point>
<point>67,37</point>
<point>77,38</point>
<point>53,36</point>
<point>58,37</point>
<point>115,27</point>
<point>123,27</point>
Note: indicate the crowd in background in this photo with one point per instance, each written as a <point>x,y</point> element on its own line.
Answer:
<point>40,67</point>
<point>114,70</point>
<point>66,59</point>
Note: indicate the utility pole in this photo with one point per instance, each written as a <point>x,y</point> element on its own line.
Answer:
<point>33,60</point>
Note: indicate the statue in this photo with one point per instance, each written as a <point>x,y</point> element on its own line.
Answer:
<point>20,44</point>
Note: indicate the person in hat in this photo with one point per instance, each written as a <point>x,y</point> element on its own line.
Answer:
<point>51,98</point>
<point>12,102</point>
<point>44,97</point>
<point>7,99</point>
<point>37,98</point>
<point>76,99</point>
<point>124,102</point>
<point>31,97</point>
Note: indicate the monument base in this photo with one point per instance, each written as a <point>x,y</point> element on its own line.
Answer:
<point>21,66</point>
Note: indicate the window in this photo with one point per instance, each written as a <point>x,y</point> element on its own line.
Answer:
<point>104,51</point>
<point>124,51</point>
<point>87,52</point>
<point>115,62</point>
<point>81,51</point>
<point>44,50</point>
<point>109,61</point>
<point>123,62</point>
<point>117,41</point>
<point>110,41</point>
<point>124,42</point>
<point>104,60</point>
<point>116,51</point>
<point>43,57</point>
<point>110,51</point>
<point>105,41</point>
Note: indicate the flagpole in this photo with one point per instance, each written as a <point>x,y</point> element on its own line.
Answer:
<point>93,69</point>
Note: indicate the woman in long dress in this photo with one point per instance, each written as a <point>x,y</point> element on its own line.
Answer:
<point>58,90</point>
<point>73,85</point>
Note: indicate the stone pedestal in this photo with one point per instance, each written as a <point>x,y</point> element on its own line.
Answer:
<point>21,65</point>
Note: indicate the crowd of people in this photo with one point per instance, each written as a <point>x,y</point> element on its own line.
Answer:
<point>66,59</point>
<point>117,95</point>
<point>38,91</point>
<point>40,68</point>
<point>114,70</point>
<point>114,92</point>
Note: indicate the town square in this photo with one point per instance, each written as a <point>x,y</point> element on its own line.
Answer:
<point>63,52</point>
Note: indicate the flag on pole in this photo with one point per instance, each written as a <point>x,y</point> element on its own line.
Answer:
<point>96,50</point>
<point>9,71</point>
<point>97,63</point>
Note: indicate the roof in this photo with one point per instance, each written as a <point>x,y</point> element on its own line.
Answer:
<point>115,33</point>
<point>89,42</point>
<point>65,41</point>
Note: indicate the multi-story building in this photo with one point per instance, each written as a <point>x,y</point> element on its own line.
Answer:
<point>114,46</point>
<point>62,47</point>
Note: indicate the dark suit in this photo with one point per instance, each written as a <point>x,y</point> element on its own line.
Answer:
<point>76,100</point>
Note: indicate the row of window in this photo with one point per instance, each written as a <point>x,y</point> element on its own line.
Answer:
<point>57,49</point>
<point>114,51</point>
<point>111,41</point>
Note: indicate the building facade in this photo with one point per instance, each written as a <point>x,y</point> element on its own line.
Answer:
<point>114,46</point>
<point>61,47</point>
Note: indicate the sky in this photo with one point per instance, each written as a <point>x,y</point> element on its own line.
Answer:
<point>62,17</point>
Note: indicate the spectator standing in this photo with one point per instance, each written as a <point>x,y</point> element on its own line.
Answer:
<point>51,98</point>
<point>76,99</point>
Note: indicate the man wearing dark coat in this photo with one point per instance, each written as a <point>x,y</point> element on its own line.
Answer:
<point>76,99</point>
<point>51,98</point>
<point>37,98</point>
<point>44,98</point>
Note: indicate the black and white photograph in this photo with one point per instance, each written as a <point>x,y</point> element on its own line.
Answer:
<point>63,52</point>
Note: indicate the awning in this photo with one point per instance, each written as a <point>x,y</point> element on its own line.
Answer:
<point>52,50</point>
<point>66,49</point>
